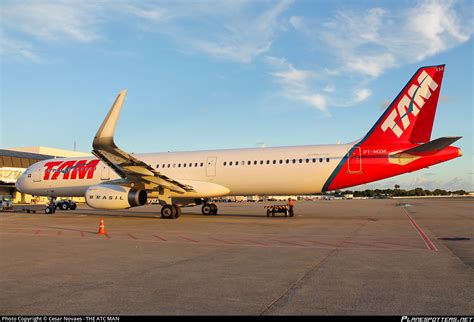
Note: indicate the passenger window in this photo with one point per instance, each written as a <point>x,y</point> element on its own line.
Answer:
<point>255,162</point>
<point>261,161</point>
<point>196,164</point>
<point>274,161</point>
<point>268,161</point>
<point>236,162</point>
<point>294,160</point>
<point>327,159</point>
<point>281,161</point>
<point>184,165</point>
<point>230,163</point>
<point>168,165</point>
<point>320,159</point>
<point>287,161</point>
<point>179,165</point>
<point>225,163</point>
<point>301,160</point>
<point>190,164</point>
<point>202,164</point>
<point>314,160</point>
<point>307,160</point>
<point>157,166</point>
<point>248,162</point>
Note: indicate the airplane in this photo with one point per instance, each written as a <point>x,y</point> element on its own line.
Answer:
<point>399,142</point>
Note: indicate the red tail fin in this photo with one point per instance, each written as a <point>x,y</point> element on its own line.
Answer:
<point>409,118</point>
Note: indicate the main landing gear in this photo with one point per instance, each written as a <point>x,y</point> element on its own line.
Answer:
<point>209,209</point>
<point>170,212</point>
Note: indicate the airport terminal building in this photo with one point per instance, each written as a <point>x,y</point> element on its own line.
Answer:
<point>14,161</point>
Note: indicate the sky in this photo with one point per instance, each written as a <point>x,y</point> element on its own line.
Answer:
<point>229,74</point>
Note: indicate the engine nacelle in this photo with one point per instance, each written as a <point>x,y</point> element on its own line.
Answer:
<point>108,196</point>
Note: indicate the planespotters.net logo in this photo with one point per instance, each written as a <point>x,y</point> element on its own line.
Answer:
<point>437,319</point>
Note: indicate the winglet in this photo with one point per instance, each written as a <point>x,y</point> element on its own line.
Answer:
<point>105,134</point>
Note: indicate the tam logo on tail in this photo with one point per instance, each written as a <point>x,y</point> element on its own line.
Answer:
<point>411,103</point>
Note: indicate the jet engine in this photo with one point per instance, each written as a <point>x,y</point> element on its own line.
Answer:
<point>108,196</point>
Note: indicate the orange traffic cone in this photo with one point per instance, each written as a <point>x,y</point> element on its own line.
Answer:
<point>101,227</point>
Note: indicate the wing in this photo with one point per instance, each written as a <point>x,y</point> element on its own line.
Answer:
<point>124,164</point>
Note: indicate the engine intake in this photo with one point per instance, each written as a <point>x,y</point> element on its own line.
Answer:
<point>107,196</point>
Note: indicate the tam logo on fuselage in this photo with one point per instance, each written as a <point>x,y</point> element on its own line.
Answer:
<point>412,102</point>
<point>70,170</point>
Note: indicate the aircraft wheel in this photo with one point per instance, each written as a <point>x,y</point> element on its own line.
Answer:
<point>214,209</point>
<point>168,212</point>
<point>177,211</point>
<point>206,209</point>
<point>48,210</point>
<point>73,206</point>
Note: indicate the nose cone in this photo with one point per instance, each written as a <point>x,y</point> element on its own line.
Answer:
<point>459,152</point>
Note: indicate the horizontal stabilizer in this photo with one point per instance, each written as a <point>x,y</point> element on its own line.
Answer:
<point>432,147</point>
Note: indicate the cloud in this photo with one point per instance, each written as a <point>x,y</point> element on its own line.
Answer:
<point>370,42</point>
<point>53,20</point>
<point>362,44</point>
<point>17,48</point>
<point>232,30</point>
<point>295,84</point>
<point>362,94</point>
<point>233,51</point>
<point>427,181</point>
<point>151,13</point>
<point>356,46</point>
<point>315,100</point>
<point>329,88</point>
<point>435,26</point>
<point>27,23</point>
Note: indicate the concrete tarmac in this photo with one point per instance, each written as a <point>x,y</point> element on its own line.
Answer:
<point>334,257</point>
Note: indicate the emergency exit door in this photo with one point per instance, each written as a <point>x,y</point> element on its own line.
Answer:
<point>355,161</point>
<point>211,166</point>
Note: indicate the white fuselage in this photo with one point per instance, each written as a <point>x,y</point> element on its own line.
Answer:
<point>256,171</point>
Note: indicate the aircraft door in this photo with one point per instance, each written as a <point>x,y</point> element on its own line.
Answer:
<point>211,166</point>
<point>37,175</point>
<point>355,161</point>
<point>105,172</point>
